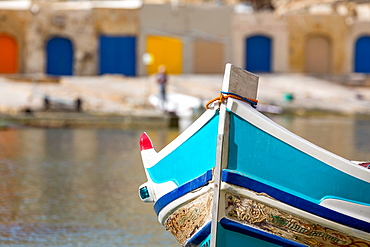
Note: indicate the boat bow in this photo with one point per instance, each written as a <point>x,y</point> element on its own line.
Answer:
<point>236,178</point>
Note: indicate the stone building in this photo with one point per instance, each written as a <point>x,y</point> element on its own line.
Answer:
<point>13,30</point>
<point>126,37</point>
<point>186,39</point>
<point>317,44</point>
<point>88,34</point>
<point>66,38</point>
<point>260,42</point>
<point>327,37</point>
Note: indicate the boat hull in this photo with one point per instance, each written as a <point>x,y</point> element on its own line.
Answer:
<point>257,215</point>
<point>250,218</point>
<point>236,178</point>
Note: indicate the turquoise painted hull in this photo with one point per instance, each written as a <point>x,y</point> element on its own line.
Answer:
<point>260,156</point>
<point>235,178</point>
<point>229,238</point>
<point>199,159</point>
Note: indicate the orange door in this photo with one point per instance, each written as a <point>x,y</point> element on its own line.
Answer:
<point>8,54</point>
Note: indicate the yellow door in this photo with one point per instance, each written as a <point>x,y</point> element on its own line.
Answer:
<point>165,51</point>
<point>8,55</point>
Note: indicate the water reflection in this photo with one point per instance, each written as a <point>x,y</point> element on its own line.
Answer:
<point>74,187</point>
<point>78,187</point>
<point>362,136</point>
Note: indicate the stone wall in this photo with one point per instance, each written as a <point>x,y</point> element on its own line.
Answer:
<point>266,24</point>
<point>195,25</point>
<point>14,24</point>
<point>116,21</point>
<point>332,27</point>
<point>74,24</point>
<point>358,29</point>
<point>189,23</point>
<point>83,26</point>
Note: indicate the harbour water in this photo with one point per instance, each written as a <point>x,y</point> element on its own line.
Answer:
<point>78,187</point>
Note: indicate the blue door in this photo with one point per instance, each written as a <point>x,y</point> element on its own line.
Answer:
<point>258,54</point>
<point>59,56</point>
<point>117,55</point>
<point>362,55</point>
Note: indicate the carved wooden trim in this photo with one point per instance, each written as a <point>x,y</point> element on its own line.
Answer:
<point>188,219</point>
<point>258,215</point>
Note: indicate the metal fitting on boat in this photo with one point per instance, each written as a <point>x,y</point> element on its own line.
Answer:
<point>146,192</point>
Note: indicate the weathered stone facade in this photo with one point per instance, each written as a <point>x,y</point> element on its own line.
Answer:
<point>333,28</point>
<point>194,26</point>
<point>15,23</point>
<point>82,27</point>
<point>210,35</point>
<point>76,25</point>
<point>263,23</point>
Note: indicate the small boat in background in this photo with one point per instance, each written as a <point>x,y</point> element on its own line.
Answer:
<point>180,104</point>
<point>236,178</point>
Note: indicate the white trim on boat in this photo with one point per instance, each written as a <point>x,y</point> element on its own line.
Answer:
<point>355,210</point>
<point>171,207</point>
<point>163,188</point>
<point>252,116</point>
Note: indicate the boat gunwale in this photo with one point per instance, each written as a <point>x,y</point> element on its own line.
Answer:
<point>193,185</point>
<point>185,135</point>
<point>172,206</point>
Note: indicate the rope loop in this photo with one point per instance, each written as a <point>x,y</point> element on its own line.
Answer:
<point>224,95</point>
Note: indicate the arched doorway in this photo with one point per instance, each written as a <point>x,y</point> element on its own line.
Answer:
<point>165,51</point>
<point>362,55</point>
<point>8,54</point>
<point>117,55</point>
<point>318,55</point>
<point>59,56</point>
<point>258,54</point>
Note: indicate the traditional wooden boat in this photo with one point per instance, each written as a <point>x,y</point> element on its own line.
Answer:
<point>236,178</point>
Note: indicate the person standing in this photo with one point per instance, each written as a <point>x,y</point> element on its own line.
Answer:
<point>161,78</point>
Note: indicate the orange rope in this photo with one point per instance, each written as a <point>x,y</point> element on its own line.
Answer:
<point>222,97</point>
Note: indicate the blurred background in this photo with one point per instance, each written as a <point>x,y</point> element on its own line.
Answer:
<point>193,36</point>
<point>78,87</point>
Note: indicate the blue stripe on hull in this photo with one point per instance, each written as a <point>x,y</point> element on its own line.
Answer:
<point>267,159</point>
<point>201,238</point>
<point>248,183</point>
<point>191,159</point>
<point>182,190</point>
<point>233,234</point>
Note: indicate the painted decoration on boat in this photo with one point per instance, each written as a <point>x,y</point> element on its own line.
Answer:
<point>277,222</point>
<point>188,219</point>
